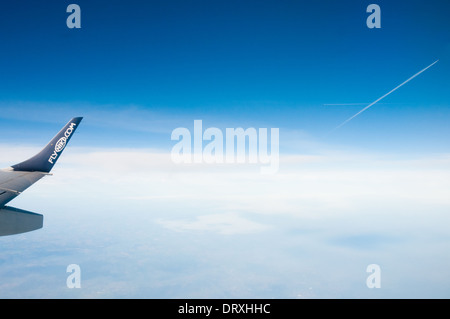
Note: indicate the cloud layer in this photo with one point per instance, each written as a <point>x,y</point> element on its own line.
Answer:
<point>208,230</point>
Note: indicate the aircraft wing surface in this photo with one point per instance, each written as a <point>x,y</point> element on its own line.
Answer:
<point>12,183</point>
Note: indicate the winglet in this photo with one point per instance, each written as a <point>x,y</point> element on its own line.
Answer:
<point>47,157</point>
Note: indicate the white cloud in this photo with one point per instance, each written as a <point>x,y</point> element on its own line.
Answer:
<point>321,187</point>
<point>225,223</point>
<point>149,173</point>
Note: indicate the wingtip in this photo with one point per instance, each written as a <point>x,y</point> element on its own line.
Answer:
<point>47,157</point>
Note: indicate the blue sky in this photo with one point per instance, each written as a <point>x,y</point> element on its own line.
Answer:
<point>373,191</point>
<point>241,63</point>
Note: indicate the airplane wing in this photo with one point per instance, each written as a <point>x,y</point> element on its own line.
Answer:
<point>17,178</point>
<point>13,183</point>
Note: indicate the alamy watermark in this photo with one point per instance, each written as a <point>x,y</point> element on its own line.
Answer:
<point>236,145</point>
<point>74,19</point>
<point>374,279</point>
<point>374,19</point>
<point>74,279</point>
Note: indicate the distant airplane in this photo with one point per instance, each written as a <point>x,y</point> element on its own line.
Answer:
<point>17,178</point>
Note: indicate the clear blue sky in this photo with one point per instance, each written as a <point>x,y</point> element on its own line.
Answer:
<point>235,63</point>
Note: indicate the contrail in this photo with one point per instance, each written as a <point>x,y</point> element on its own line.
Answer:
<point>351,118</point>
<point>346,104</point>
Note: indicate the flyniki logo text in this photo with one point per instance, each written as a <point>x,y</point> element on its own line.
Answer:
<point>61,143</point>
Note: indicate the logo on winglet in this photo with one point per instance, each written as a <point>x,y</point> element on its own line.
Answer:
<point>61,143</point>
<point>59,146</point>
